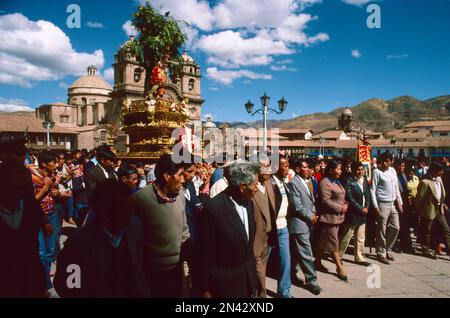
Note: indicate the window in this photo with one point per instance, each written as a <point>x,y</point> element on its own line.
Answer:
<point>62,140</point>
<point>103,136</point>
<point>191,84</point>
<point>64,119</point>
<point>410,152</point>
<point>443,134</point>
<point>39,140</point>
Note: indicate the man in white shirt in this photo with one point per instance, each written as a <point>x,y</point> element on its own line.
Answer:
<point>281,209</point>
<point>385,192</point>
<point>430,202</point>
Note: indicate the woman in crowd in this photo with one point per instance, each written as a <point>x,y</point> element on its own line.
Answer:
<point>332,209</point>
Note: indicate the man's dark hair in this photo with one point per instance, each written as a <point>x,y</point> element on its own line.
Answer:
<point>164,165</point>
<point>126,170</point>
<point>435,166</point>
<point>356,165</point>
<point>386,156</point>
<point>299,161</point>
<point>105,154</point>
<point>112,202</point>
<point>399,161</point>
<point>47,156</point>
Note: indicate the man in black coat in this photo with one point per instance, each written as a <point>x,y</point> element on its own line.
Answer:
<point>227,266</point>
<point>21,271</point>
<point>102,171</point>
<point>107,253</point>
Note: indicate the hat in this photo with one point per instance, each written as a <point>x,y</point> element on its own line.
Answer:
<point>106,154</point>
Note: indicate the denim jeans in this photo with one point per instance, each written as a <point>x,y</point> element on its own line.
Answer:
<point>284,281</point>
<point>47,246</point>
<point>69,208</point>
<point>79,206</point>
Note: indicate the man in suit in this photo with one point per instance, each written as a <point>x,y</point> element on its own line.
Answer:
<point>430,202</point>
<point>404,217</point>
<point>358,196</point>
<point>108,252</point>
<point>264,212</point>
<point>227,265</point>
<point>301,218</point>
<point>102,171</point>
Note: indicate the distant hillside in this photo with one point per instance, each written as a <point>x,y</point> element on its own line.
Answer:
<point>20,113</point>
<point>374,114</point>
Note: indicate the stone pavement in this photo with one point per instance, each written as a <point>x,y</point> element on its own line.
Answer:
<point>407,276</point>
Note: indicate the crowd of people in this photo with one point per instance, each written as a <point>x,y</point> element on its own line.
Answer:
<point>197,229</point>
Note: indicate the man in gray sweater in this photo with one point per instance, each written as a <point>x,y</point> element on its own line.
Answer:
<point>162,211</point>
<point>385,192</point>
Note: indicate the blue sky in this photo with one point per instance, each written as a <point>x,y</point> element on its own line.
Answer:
<point>319,55</point>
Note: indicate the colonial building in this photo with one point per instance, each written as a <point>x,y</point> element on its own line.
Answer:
<point>93,107</point>
<point>14,126</point>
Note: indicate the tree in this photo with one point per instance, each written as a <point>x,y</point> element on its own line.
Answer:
<point>159,39</point>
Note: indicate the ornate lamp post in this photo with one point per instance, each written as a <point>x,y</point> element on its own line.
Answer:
<point>264,110</point>
<point>48,124</point>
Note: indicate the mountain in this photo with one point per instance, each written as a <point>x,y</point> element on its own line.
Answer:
<point>374,114</point>
<point>19,113</point>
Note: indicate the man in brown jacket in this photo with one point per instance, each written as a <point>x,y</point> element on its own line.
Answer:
<point>264,214</point>
<point>430,204</point>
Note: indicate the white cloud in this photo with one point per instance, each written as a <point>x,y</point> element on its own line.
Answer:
<point>129,28</point>
<point>194,12</point>
<point>227,77</point>
<point>63,85</point>
<point>397,56</point>
<point>356,53</point>
<point>357,2</point>
<point>213,89</point>
<point>286,61</point>
<point>282,68</point>
<point>236,33</point>
<point>95,25</point>
<point>13,105</point>
<point>108,74</point>
<point>32,51</point>
<point>230,49</point>
<point>208,115</point>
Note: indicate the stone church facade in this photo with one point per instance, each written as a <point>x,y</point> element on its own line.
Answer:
<point>93,107</point>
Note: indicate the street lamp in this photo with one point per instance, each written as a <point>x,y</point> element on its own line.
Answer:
<point>264,110</point>
<point>48,124</point>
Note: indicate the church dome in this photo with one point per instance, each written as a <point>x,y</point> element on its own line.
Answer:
<point>91,81</point>
<point>347,112</point>
<point>187,58</point>
<point>209,123</point>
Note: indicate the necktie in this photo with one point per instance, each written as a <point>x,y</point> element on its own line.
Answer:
<point>403,183</point>
<point>311,187</point>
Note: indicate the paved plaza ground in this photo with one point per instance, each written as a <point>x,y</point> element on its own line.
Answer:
<point>408,276</point>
